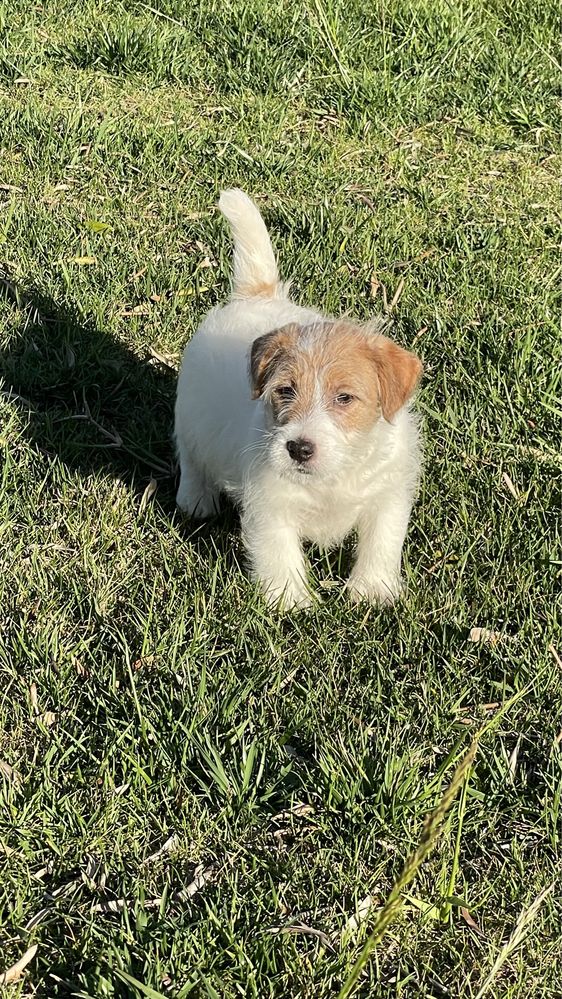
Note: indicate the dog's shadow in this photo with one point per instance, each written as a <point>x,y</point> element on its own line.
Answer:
<point>92,403</point>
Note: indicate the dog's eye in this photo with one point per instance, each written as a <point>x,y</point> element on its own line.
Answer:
<point>285,392</point>
<point>344,399</point>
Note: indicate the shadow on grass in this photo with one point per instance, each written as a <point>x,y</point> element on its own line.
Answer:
<point>95,405</point>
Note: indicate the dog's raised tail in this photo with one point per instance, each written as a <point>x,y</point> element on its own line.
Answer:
<point>255,267</point>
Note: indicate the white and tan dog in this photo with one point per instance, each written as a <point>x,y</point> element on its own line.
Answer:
<point>303,421</point>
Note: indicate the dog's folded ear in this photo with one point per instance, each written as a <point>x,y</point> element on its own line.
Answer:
<point>266,353</point>
<point>398,372</point>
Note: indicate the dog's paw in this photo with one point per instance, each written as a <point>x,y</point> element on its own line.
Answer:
<point>381,590</point>
<point>288,596</point>
<point>201,506</point>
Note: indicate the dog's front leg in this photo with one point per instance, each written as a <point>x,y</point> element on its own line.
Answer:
<point>381,532</point>
<point>277,558</point>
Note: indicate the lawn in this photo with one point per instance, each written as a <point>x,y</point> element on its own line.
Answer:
<point>198,797</point>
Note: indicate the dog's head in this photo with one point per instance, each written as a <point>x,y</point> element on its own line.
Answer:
<point>324,388</point>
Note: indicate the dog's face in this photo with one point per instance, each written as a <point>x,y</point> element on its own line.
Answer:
<point>324,388</point>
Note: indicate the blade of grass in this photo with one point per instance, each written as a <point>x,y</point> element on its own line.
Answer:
<point>520,930</point>
<point>431,831</point>
<point>145,990</point>
<point>447,906</point>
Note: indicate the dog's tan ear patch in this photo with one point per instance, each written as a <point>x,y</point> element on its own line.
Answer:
<point>398,373</point>
<point>266,353</point>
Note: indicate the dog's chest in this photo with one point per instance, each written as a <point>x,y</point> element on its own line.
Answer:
<point>326,519</point>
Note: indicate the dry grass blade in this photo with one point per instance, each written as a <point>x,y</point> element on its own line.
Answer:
<point>374,285</point>
<point>33,698</point>
<point>38,918</point>
<point>12,974</point>
<point>555,655</point>
<point>518,935</point>
<point>148,494</point>
<point>143,309</point>
<point>513,757</point>
<point>431,831</point>
<point>9,773</point>
<point>114,905</point>
<point>310,931</point>
<point>160,13</point>
<point>484,636</point>
<point>510,485</point>
<point>300,809</point>
<point>166,359</point>
<point>397,295</point>
<point>471,922</point>
<point>366,201</point>
<point>169,846</point>
<point>46,718</point>
<point>359,916</point>
<point>201,877</point>
<point>122,904</point>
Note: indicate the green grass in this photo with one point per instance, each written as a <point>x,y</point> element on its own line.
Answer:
<point>146,690</point>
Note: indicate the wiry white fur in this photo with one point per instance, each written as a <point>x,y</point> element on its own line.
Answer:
<point>226,443</point>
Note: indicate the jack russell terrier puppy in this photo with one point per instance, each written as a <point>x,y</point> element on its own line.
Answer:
<point>303,420</point>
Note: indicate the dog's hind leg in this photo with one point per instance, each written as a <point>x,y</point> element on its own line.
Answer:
<point>195,496</point>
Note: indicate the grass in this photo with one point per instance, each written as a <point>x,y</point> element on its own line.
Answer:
<point>148,696</point>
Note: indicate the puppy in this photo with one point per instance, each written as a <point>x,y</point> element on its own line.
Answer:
<point>303,420</point>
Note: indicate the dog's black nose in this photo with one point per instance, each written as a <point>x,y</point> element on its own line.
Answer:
<point>300,450</point>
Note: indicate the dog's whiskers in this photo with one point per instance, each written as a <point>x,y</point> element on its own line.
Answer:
<point>257,445</point>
